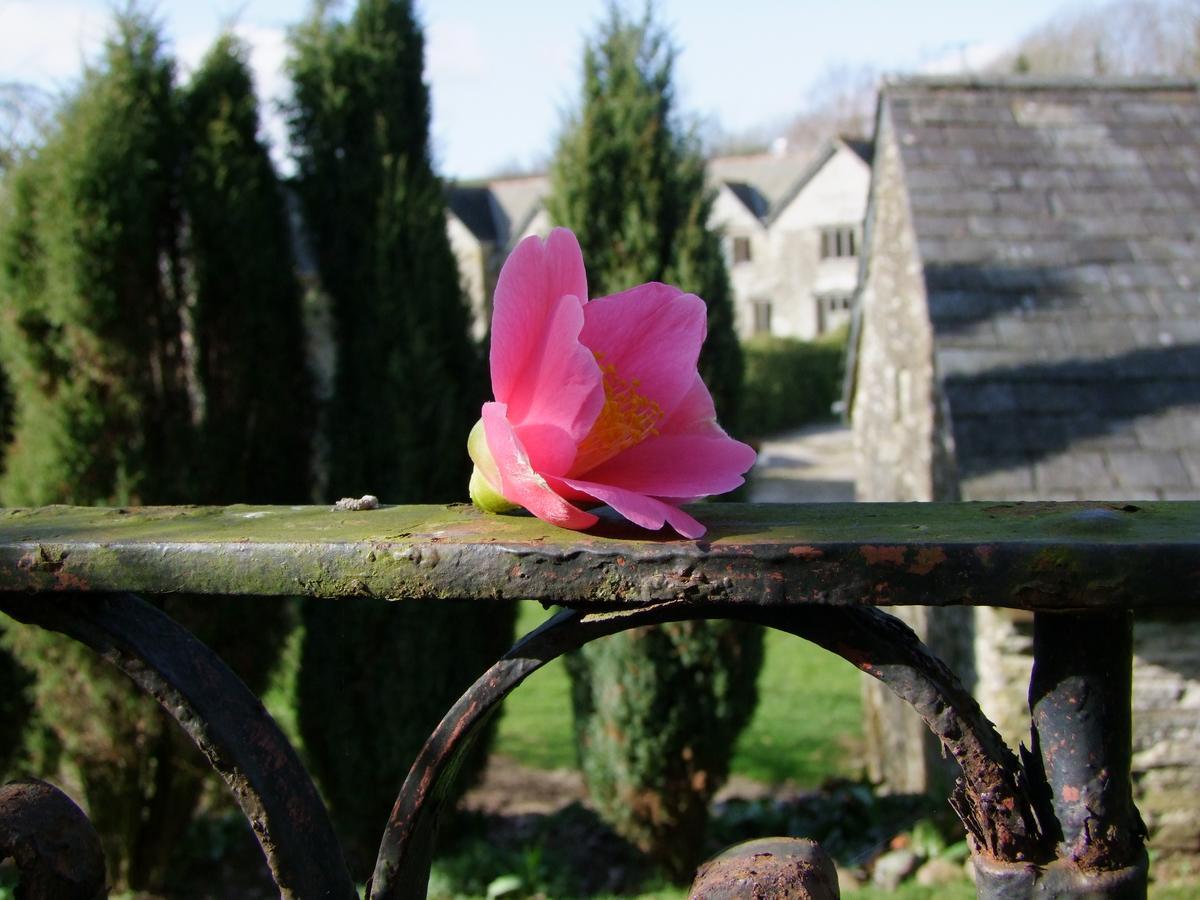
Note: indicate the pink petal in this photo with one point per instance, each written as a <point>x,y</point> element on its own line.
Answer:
<point>519,483</point>
<point>651,333</point>
<point>560,387</point>
<point>695,412</point>
<point>551,450</point>
<point>534,278</point>
<point>649,512</point>
<point>678,465</point>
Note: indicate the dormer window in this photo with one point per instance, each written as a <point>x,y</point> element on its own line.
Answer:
<point>839,242</point>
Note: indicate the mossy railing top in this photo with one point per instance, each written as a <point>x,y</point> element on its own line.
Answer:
<point>1058,821</point>
<point>1037,556</point>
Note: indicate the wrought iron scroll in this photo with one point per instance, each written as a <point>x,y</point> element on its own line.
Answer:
<point>1079,704</point>
<point>225,720</point>
<point>991,797</point>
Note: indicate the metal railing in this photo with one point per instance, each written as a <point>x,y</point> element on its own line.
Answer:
<point>1059,822</point>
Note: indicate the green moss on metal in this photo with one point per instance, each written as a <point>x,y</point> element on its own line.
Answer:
<point>728,524</point>
<point>769,553</point>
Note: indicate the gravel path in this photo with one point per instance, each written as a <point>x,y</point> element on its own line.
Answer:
<point>812,465</point>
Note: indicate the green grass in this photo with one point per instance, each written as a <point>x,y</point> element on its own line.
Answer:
<point>536,725</point>
<point>808,723</point>
<point>805,729</point>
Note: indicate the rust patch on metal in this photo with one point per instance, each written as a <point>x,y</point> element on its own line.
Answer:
<point>68,581</point>
<point>927,560</point>
<point>53,844</point>
<point>806,552</point>
<point>784,868</point>
<point>891,556</point>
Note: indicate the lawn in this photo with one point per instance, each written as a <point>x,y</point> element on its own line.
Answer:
<point>806,729</point>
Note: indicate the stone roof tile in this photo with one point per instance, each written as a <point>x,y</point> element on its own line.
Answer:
<point>1058,223</point>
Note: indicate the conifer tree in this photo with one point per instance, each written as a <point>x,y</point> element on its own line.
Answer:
<point>244,299</point>
<point>118,230</point>
<point>407,390</point>
<point>15,707</point>
<point>92,346</point>
<point>94,354</point>
<point>657,710</point>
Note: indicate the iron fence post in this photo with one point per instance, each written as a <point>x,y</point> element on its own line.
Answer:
<point>1080,695</point>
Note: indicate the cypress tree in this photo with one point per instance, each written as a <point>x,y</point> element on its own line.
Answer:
<point>657,710</point>
<point>94,351</point>
<point>92,346</point>
<point>407,390</point>
<point>131,237</point>
<point>15,679</point>
<point>243,296</point>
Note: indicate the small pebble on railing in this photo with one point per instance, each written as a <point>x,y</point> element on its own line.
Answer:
<point>366,501</point>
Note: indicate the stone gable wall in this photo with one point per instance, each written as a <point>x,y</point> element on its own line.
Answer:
<point>895,423</point>
<point>986,234</point>
<point>892,408</point>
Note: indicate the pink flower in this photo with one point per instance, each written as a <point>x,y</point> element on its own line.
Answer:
<point>597,402</point>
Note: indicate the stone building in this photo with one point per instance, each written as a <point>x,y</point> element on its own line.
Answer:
<point>484,222</point>
<point>792,229</point>
<point>1029,328</point>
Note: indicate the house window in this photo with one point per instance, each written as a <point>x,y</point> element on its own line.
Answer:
<point>762,317</point>
<point>832,310</point>
<point>834,303</point>
<point>741,250</point>
<point>839,243</point>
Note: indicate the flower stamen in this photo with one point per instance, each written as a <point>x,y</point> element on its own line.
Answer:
<point>628,418</point>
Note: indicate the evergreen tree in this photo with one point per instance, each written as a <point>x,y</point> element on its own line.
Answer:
<point>244,299</point>
<point>119,230</point>
<point>657,711</point>
<point>407,390</point>
<point>93,350</point>
<point>92,346</point>
<point>628,178</point>
<point>15,244</point>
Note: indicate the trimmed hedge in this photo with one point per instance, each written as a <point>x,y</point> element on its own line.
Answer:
<point>790,383</point>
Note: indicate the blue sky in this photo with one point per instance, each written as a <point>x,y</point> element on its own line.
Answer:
<point>502,74</point>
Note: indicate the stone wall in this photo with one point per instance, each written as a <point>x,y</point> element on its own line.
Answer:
<point>891,410</point>
<point>474,271</point>
<point>905,432</point>
<point>1166,732</point>
<point>1166,713</point>
<point>895,423</point>
<point>1003,660</point>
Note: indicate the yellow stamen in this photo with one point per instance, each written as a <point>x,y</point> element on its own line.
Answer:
<point>627,418</point>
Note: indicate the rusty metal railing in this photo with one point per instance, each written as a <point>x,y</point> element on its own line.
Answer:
<point>1059,822</point>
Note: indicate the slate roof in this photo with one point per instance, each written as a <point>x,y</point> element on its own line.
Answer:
<point>860,147</point>
<point>473,206</point>
<point>1058,223</point>
<point>771,176</point>
<point>517,201</point>
<point>750,198</point>
<point>863,147</point>
<point>764,182</point>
